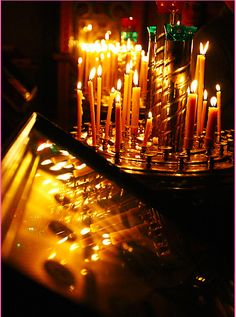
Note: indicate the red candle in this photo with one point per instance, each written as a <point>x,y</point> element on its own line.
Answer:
<point>91,103</point>
<point>148,129</point>
<point>211,123</point>
<point>190,114</point>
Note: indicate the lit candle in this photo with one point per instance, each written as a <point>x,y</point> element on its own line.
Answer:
<point>204,110</point>
<point>99,96</point>
<point>118,124</point>
<point>190,114</point>
<point>218,97</point>
<point>131,73</point>
<point>200,76</point>
<point>79,110</point>
<point>125,99</point>
<point>109,111</point>
<point>148,129</point>
<point>135,104</point>
<point>91,103</point>
<point>211,123</point>
<point>80,73</point>
<point>118,87</point>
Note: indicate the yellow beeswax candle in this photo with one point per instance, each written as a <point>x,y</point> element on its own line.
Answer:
<point>99,96</point>
<point>118,124</point>
<point>109,111</point>
<point>148,129</point>
<point>79,110</point>
<point>189,119</point>
<point>135,104</point>
<point>218,97</point>
<point>211,123</point>
<point>91,103</point>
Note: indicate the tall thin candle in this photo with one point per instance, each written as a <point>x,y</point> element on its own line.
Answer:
<point>109,111</point>
<point>189,119</point>
<point>218,97</point>
<point>204,110</point>
<point>91,103</point>
<point>135,104</point>
<point>118,124</point>
<point>201,73</point>
<point>99,96</point>
<point>148,129</point>
<point>79,110</point>
<point>211,123</point>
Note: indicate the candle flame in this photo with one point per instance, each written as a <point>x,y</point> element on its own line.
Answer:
<point>149,115</point>
<point>178,22</point>
<point>131,18</point>
<point>107,35</point>
<point>127,68</point>
<point>79,85</point>
<point>203,49</point>
<point>131,64</point>
<point>112,90</point>
<point>205,94</point>
<point>80,60</point>
<point>99,71</point>
<point>118,98</point>
<point>119,84</point>
<point>193,86</point>
<point>135,79</point>
<point>92,73</point>
<point>217,87</point>
<point>89,27</point>
<point>213,101</point>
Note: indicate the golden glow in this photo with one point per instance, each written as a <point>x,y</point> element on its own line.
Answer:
<point>46,181</point>
<point>84,272</point>
<point>118,98</point>
<point>203,49</point>
<point>79,85</point>
<point>106,235</point>
<point>213,101</point>
<point>43,146</point>
<point>217,87</point>
<point>52,256</point>
<point>85,231</point>
<point>127,68</point>
<point>106,241</point>
<point>205,94</point>
<point>92,73</point>
<point>80,167</point>
<point>62,240</point>
<point>96,248</point>
<point>80,60</point>
<point>119,84</point>
<point>53,191</point>
<point>135,79</point>
<point>99,72</point>
<point>74,246</point>
<point>194,86</point>
<point>46,162</point>
<point>64,177</point>
<point>94,257</point>
<point>58,166</point>
<point>149,115</point>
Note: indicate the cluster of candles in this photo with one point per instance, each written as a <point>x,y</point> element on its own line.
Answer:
<point>196,109</point>
<point>128,98</point>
